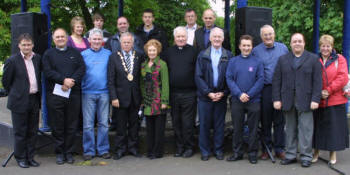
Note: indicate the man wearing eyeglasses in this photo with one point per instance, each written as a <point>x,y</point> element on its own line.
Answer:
<point>270,51</point>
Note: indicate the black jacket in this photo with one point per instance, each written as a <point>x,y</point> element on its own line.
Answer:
<point>204,74</point>
<point>119,86</point>
<point>300,85</point>
<point>157,33</point>
<point>199,39</point>
<point>16,81</point>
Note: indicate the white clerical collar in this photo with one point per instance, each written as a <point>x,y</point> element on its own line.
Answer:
<point>62,49</point>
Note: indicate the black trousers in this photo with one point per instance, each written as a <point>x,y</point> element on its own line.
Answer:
<point>114,118</point>
<point>239,110</point>
<point>155,127</point>
<point>127,135</point>
<point>64,117</point>
<point>183,112</point>
<point>25,126</point>
<point>271,117</point>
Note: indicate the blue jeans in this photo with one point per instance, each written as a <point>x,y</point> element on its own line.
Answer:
<point>95,104</point>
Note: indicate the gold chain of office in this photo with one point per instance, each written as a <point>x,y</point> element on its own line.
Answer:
<point>129,76</point>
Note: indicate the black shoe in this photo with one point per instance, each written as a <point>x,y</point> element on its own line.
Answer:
<point>219,156</point>
<point>106,156</point>
<point>87,157</point>
<point>69,158</point>
<point>59,159</point>
<point>33,163</point>
<point>188,153</point>
<point>253,159</point>
<point>204,158</point>
<point>305,163</point>
<point>288,161</point>
<point>234,157</point>
<point>118,155</point>
<point>178,153</point>
<point>135,153</point>
<point>22,163</point>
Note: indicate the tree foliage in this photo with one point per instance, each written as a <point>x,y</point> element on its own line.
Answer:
<point>168,14</point>
<point>288,16</point>
<point>297,16</point>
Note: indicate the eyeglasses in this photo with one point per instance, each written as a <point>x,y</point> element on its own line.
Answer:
<point>268,34</point>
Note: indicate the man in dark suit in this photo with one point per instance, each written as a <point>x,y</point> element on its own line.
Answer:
<point>296,89</point>
<point>125,95</point>
<point>201,36</point>
<point>21,80</point>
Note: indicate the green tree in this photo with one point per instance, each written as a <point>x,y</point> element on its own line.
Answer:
<point>297,16</point>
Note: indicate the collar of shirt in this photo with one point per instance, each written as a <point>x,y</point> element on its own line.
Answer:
<point>216,51</point>
<point>130,53</point>
<point>194,27</point>
<point>246,55</point>
<point>148,30</point>
<point>29,58</point>
<point>274,45</point>
<point>95,50</point>
<point>62,49</point>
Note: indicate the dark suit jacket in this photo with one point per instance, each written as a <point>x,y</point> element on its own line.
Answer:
<point>119,86</point>
<point>199,40</point>
<point>297,86</point>
<point>16,81</point>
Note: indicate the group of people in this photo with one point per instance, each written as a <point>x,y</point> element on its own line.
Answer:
<point>297,93</point>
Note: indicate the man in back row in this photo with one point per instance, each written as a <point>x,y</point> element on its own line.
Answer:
<point>201,38</point>
<point>148,30</point>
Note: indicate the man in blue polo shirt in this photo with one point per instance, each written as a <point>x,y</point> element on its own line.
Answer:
<point>95,97</point>
<point>269,52</point>
<point>245,79</point>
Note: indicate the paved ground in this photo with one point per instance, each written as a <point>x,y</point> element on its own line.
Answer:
<point>171,166</point>
<point>165,166</point>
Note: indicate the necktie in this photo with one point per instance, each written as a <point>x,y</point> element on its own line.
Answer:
<point>127,61</point>
<point>206,38</point>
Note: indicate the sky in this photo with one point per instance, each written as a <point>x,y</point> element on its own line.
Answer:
<point>219,6</point>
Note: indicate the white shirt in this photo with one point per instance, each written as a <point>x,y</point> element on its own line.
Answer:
<point>190,34</point>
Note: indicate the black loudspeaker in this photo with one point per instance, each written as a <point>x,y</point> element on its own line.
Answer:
<point>249,20</point>
<point>33,23</point>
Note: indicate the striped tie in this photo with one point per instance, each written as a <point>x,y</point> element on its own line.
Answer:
<point>127,61</point>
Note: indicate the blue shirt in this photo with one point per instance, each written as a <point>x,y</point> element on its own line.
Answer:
<point>269,57</point>
<point>215,55</point>
<point>245,75</point>
<point>95,78</point>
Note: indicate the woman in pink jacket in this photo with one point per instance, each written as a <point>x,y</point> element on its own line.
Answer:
<point>331,126</point>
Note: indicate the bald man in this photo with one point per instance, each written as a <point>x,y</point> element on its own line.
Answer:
<point>64,69</point>
<point>201,36</point>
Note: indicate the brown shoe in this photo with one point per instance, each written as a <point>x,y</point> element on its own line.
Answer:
<point>281,155</point>
<point>264,156</point>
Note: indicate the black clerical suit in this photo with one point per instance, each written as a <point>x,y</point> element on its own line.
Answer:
<point>64,112</point>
